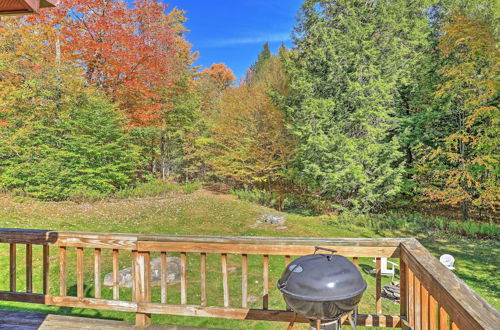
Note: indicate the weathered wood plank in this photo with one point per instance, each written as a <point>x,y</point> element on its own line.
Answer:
<point>262,249</point>
<point>225,279</point>
<point>418,304</point>
<point>424,299</point>
<point>12,266</point>
<point>433,319</point>
<point>378,286</point>
<point>324,242</point>
<point>203,278</point>
<point>62,271</point>
<point>134,279</point>
<point>127,241</point>
<point>164,278</point>
<point>255,314</point>
<point>79,272</point>
<point>463,304</point>
<point>265,283</point>
<point>443,319</point>
<point>183,279</point>
<point>71,239</point>
<point>142,276</point>
<point>411,298</point>
<point>116,269</point>
<point>97,273</point>
<point>30,321</point>
<point>45,269</point>
<point>244,280</point>
<point>29,268</point>
<point>66,301</point>
<point>403,287</point>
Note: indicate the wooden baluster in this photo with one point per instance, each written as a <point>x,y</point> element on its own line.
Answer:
<point>411,298</point>
<point>142,277</point>
<point>355,261</point>
<point>29,268</point>
<point>424,298</point>
<point>432,313</point>
<point>403,287</point>
<point>378,286</point>
<point>164,277</point>
<point>418,304</point>
<point>97,273</point>
<point>454,326</point>
<point>265,297</point>
<point>45,269</point>
<point>225,281</point>
<point>244,280</point>
<point>134,289</point>
<point>12,266</point>
<point>203,276</point>
<point>116,280</point>
<point>79,272</point>
<point>183,279</point>
<point>443,319</point>
<point>287,262</point>
<point>62,271</point>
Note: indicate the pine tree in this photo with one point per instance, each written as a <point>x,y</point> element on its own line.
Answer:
<point>350,59</point>
<point>59,138</point>
<point>263,57</point>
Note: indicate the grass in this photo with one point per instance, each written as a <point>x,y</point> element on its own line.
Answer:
<point>204,213</point>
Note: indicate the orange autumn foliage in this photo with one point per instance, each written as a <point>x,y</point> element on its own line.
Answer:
<point>132,53</point>
<point>463,169</point>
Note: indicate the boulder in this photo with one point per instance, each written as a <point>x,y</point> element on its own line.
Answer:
<point>392,291</point>
<point>125,275</point>
<point>273,219</point>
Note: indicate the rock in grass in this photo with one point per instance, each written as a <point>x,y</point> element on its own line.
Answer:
<point>273,219</point>
<point>125,275</point>
<point>391,291</point>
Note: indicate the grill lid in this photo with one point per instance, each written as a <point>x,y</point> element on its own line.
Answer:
<point>322,277</point>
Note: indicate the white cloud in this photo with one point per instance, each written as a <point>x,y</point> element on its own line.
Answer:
<point>257,39</point>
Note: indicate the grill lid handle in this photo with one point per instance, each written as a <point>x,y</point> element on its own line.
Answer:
<point>316,248</point>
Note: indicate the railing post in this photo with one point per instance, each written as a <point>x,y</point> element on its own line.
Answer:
<point>403,286</point>
<point>142,276</point>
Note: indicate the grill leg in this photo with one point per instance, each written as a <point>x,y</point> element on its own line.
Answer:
<point>326,325</point>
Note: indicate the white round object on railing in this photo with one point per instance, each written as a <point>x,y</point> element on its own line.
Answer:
<point>448,261</point>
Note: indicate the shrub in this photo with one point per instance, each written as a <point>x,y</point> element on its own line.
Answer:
<point>289,203</point>
<point>191,187</point>
<point>149,189</point>
<point>61,139</point>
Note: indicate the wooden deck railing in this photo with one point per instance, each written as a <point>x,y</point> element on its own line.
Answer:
<point>431,296</point>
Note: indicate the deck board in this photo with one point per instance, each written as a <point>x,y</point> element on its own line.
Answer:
<point>31,321</point>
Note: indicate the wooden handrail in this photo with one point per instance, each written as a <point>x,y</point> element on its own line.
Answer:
<point>431,295</point>
<point>463,305</point>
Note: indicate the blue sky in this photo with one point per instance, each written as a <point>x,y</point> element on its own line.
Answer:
<point>234,31</point>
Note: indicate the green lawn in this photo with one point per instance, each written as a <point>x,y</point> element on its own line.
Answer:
<point>205,213</point>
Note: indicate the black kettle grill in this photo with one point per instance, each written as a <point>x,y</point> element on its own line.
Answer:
<point>322,288</point>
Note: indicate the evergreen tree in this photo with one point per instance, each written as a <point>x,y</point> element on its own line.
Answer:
<point>351,57</point>
<point>59,138</point>
<point>263,57</point>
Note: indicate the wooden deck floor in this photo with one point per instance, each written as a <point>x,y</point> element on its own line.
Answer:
<point>31,321</point>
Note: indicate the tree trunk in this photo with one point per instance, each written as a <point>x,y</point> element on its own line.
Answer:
<point>465,206</point>
<point>163,168</point>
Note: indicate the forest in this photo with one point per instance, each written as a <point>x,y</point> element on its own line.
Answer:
<point>378,104</point>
